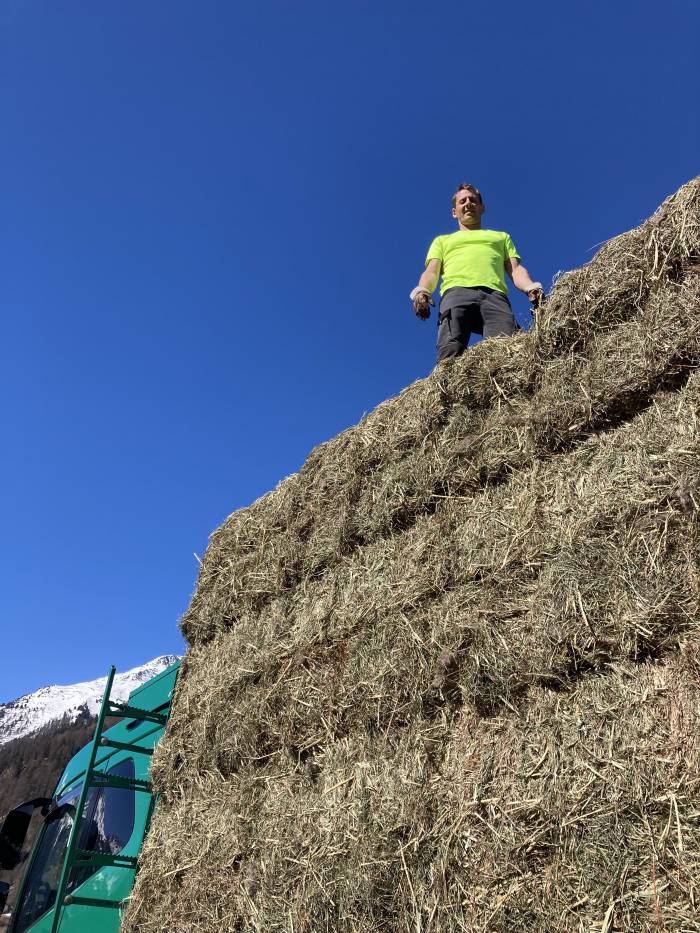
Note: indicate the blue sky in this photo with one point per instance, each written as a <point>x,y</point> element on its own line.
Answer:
<point>212,216</point>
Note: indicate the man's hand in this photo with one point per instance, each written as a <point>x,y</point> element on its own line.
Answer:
<point>521,279</point>
<point>422,294</point>
<point>422,300</point>
<point>421,305</point>
<point>536,296</point>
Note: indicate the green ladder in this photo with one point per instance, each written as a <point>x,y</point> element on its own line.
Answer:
<point>79,858</point>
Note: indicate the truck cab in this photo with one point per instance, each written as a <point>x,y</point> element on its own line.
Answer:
<point>113,824</point>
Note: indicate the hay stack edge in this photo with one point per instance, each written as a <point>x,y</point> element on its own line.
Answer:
<point>447,677</point>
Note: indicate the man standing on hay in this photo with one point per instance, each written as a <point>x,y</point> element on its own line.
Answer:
<point>474,294</point>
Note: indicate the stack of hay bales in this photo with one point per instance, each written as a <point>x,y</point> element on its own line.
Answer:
<point>447,677</point>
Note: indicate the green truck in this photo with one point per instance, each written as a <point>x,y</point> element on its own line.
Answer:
<point>83,863</point>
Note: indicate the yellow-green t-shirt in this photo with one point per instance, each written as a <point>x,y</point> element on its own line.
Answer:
<point>473,258</point>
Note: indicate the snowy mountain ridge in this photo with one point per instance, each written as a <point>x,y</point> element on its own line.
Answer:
<point>29,713</point>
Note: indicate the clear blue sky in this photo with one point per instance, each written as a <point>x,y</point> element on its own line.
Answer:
<point>212,214</point>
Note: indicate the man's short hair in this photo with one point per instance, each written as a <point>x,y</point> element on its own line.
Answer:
<point>469,188</point>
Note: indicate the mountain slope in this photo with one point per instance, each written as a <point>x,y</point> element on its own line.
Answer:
<point>29,713</point>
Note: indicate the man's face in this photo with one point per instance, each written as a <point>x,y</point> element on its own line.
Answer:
<point>468,208</point>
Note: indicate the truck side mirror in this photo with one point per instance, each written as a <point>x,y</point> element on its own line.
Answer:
<point>4,891</point>
<point>14,831</point>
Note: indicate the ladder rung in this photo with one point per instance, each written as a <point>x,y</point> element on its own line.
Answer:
<point>133,712</point>
<point>83,859</point>
<point>91,902</point>
<point>126,747</point>
<point>100,779</point>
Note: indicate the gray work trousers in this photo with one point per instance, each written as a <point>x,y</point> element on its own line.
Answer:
<point>467,311</point>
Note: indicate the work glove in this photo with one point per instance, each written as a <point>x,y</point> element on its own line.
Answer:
<point>422,300</point>
<point>537,296</point>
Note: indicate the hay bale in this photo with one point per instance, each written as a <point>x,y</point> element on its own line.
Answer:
<point>446,677</point>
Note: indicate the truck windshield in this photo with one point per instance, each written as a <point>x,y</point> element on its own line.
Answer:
<point>106,826</point>
<point>40,889</point>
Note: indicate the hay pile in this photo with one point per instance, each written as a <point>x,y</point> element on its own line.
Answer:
<point>447,677</point>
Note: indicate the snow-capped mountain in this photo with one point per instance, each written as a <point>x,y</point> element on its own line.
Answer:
<point>29,713</point>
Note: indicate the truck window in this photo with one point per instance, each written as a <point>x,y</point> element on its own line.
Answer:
<point>40,889</point>
<point>108,822</point>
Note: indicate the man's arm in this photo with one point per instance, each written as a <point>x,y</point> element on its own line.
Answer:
<point>521,279</point>
<point>422,294</point>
